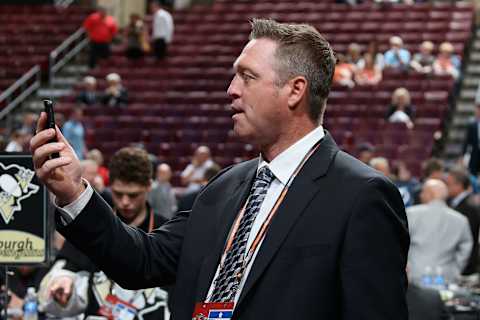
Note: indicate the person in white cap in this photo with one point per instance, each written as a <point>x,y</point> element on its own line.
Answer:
<point>397,57</point>
<point>115,95</point>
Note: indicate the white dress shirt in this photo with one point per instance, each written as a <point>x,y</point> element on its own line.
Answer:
<point>162,26</point>
<point>282,167</point>
<point>459,198</point>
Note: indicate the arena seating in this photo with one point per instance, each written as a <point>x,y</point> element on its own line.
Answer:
<point>180,103</point>
<point>29,33</point>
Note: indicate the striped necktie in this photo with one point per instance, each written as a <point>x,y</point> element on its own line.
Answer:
<point>228,280</point>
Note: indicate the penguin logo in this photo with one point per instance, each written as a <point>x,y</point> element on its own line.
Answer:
<point>15,186</point>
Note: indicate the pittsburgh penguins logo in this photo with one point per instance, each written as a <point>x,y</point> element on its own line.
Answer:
<point>15,186</point>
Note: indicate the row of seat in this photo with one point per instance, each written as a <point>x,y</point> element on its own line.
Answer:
<point>179,103</point>
<point>280,5</point>
<point>29,33</point>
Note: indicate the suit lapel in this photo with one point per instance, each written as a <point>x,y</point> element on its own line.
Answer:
<point>303,188</point>
<point>224,222</point>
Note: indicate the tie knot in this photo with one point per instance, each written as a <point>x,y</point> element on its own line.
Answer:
<point>265,175</point>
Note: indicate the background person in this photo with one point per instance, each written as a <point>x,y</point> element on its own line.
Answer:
<point>130,175</point>
<point>101,29</point>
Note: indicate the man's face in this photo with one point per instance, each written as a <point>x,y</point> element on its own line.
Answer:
<point>202,156</point>
<point>77,115</point>
<point>90,86</point>
<point>164,174</point>
<point>129,199</point>
<point>454,188</point>
<point>259,106</point>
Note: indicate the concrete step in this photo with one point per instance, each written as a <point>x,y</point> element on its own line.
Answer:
<point>460,120</point>
<point>464,107</point>
<point>64,82</point>
<point>453,150</point>
<point>475,56</point>
<point>74,69</point>
<point>471,82</point>
<point>473,69</point>
<point>456,134</point>
<point>35,104</point>
<point>468,94</point>
<point>476,45</point>
<point>53,93</point>
<point>461,99</point>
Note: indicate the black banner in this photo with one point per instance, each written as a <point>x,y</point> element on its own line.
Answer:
<point>23,212</point>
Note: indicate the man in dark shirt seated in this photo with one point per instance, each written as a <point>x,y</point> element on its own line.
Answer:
<point>75,285</point>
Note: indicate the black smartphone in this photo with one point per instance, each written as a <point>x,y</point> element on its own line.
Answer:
<point>48,104</point>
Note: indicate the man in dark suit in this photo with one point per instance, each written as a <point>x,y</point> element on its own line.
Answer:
<point>89,95</point>
<point>462,200</point>
<point>305,231</point>
<point>425,304</point>
<point>471,145</point>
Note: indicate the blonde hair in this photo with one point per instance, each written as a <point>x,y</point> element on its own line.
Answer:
<point>446,47</point>
<point>399,92</point>
<point>427,45</point>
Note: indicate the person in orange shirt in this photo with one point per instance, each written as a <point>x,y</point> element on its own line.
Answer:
<point>100,28</point>
<point>344,72</point>
<point>447,63</point>
<point>370,73</point>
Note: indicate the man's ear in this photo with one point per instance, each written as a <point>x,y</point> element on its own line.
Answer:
<point>298,91</point>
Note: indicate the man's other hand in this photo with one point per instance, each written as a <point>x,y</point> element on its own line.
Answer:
<point>61,289</point>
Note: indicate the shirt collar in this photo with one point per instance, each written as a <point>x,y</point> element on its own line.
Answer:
<point>283,165</point>
<point>456,201</point>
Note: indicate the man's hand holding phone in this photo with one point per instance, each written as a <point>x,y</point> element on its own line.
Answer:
<point>62,175</point>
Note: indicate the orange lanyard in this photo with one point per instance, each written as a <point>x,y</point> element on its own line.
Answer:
<point>263,229</point>
<point>150,223</point>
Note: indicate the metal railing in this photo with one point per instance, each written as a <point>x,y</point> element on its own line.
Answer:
<point>66,51</point>
<point>20,90</point>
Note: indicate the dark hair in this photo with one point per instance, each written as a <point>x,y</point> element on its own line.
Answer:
<point>461,176</point>
<point>432,165</point>
<point>131,165</point>
<point>301,51</point>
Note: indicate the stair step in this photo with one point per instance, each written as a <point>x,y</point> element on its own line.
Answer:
<point>453,150</point>
<point>459,120</point>
<point>471,82</point>
<point>475,56</point>
<point>456,134</point>
<point>64,82</point>
<point>468,94</point>
<point>53,93</point>
<point>74,69</point>
<point>465,107</point>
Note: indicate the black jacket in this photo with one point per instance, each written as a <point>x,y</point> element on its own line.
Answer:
<point>425,304</point>
<point>470,210</point>
<point>77,261</point>
<point>471,145</point>
<point>336,249</point>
